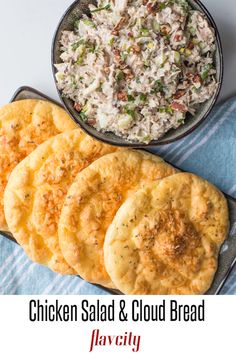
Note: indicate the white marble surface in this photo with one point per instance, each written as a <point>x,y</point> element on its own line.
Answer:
<point>26,31</point>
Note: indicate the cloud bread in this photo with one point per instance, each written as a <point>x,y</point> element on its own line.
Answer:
<point>166,238</point>
<point>36,190</point>
<point>23,126</point>
<point>93,201</point>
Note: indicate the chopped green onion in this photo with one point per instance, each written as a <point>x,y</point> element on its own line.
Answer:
<point>131,98</point>
<point>166,110</point>
<point>74,84</point>
<point>206,71</point>
<point>192,30</point>
<point>83,116</point>
<point>76,45</point>
<point>84,109</point>
<point>177,57</point>
<point>158,86</point>
<point>80,61</point>
<point>89,23</point>
<point>163,5</point>
<point>111,41</point>
<point>169,110</point>
<point>107,7</point>
<point>196,89</point>
<point>92,48</point>
<point>129,111</point>
<point>144,31</point>
<point>147,138</point>
<point>120,76</point>
<point>124,56</point>
<point>184,5</point>
<point>143,97</point>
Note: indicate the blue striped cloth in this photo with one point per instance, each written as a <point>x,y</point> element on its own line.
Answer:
<point>209,152</point>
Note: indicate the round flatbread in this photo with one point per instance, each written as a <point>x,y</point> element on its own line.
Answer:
<point>36,190</point>
<point>93,201</point>
<point>23,126</point>
<point>165,239</point>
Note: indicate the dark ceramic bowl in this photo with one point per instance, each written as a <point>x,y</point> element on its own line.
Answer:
<point>74,12</point>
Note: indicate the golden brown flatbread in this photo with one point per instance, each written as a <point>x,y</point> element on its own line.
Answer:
<point>23,126</point>
<point>166,238</point>
<point>92,202</point>
<point>36,190</point>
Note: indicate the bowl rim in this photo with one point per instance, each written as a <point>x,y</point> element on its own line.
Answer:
<point>153,143</point>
